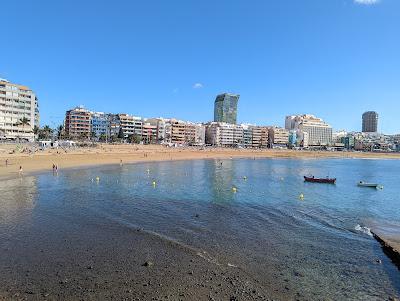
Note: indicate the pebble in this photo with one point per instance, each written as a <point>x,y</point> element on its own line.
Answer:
<point>148,264</point>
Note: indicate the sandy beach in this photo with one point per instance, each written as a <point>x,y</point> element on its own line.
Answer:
<point>113,154</point>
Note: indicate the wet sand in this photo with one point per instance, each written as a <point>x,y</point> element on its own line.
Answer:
<point>113,154</point>
<point>98,262</point>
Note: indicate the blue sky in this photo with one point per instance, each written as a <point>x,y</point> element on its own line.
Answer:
<point>333,58</point>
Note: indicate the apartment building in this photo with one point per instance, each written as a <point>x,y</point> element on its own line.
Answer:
<point>78,123</point>
<point>115,125</point>
<point>131,125</point>
<point>278,136</point>
<point>149,133</point>
<point>19,111</point>
<point>100,125</point>
<point>255,136</point>
<point>161,125</point>
<point>224,134</point>
<point>370,122</point>
<point>186,133</point>
<point>247,135</point>
<point>319,132</point>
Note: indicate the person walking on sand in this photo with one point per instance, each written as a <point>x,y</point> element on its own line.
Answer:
<point>20,170</point>
<point>6,162</point>
<point>120,162</point>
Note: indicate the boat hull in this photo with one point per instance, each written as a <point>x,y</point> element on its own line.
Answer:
<point>319,180</point>
<point>370,185</point>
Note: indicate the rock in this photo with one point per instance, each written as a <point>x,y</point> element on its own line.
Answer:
<point>148,264</point>
<point>298,274</point>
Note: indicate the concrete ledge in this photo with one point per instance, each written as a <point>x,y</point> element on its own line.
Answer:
<point>391,249</point>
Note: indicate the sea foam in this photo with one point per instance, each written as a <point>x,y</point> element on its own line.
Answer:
<point>364,230</point>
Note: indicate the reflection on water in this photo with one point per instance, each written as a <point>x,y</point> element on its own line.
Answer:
<point>298,249</point>
<point>17,200</point>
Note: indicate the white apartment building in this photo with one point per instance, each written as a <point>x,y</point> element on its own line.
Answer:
<point>17,103</point>
<point>224,134</point>
<point>319,132</point>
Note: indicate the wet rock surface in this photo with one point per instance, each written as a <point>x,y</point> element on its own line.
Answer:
<point>109,264</point>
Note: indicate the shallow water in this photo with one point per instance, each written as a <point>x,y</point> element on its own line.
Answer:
<point>316,248</point>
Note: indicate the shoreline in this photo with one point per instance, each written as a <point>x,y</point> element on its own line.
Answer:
<point>131,154</point>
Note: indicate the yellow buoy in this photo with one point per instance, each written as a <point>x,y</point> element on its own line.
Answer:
<point>97,179</point>
<point>234,189</point>
<point>154,183</point>
<point>301,196</point>
<point>244,178</point>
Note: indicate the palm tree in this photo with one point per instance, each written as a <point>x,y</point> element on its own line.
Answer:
<point>22,122</point>
<point>45,132</point>
<point>60,131</point>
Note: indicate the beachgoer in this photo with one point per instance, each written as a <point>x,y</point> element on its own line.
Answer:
<point>6,162</point>
<point>20,170</point>
<point>120,162</point>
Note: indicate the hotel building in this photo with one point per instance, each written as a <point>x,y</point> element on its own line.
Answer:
<point>225,108</point>
<point>17,103</point>
<point>319,133</point>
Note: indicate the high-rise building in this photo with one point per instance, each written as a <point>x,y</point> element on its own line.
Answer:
<point>78,123</point>
<point>319,133</point>
<point>225,108</point>
<point>370,122</point>
<point>19,111</point>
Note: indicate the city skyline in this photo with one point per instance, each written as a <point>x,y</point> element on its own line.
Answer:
<point>225,111</point>
<point>335,59</point>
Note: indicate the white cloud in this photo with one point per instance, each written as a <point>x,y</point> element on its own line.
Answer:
<point>198,86</point>
<point>366,2</point>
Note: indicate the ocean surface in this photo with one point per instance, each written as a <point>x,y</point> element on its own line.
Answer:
<point>245,213</point>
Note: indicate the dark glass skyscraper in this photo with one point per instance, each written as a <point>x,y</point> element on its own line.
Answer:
<point>225,108</point>
<point>370,122</point>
